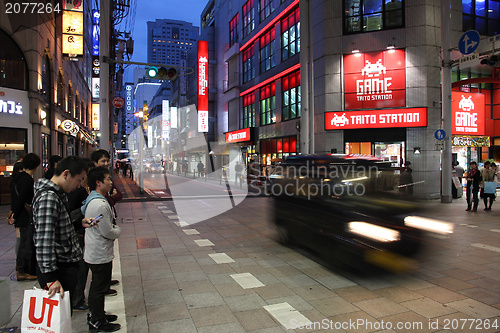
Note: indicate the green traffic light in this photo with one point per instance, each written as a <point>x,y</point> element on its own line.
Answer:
<point>152,71</point>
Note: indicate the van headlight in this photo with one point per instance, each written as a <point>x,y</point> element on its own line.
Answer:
<point>423,223</point>
<point>373,231</point>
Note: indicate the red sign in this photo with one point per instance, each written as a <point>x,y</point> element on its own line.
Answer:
<point>118,102</point>
<point>202,75</point>
<point>238,136</point>
<point>202,121</point>
<point>467,113</point>
<point>413,117</point>
<point>375,80</point>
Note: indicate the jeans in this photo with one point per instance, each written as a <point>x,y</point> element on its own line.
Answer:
<point>472,196</point>
<point>26,258</point>
<point>83,271</point>
<point>101,277</point>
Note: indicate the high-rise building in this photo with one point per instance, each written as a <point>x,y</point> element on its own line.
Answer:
<point>169,39</point>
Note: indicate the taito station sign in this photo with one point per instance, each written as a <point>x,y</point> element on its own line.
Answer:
<point>375,80</point>
<point>238,136</point>
<point>411,117</point>
<point>467,113</point>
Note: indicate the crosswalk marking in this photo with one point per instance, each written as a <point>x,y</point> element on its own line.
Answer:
<point>495,230</point>
<point>286,315</point>
<point>166,211</point>
<point>221,258</point>
<point>204,242</point>
<point>191,232</point>
<point>486,247</point>
<point>181,224</point>
<point>173,217</point>
<point>247,280</point>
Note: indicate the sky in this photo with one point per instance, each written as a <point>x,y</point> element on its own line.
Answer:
<point>150,10</point>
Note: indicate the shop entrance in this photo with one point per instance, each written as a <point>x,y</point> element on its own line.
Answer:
<point>387,145</point>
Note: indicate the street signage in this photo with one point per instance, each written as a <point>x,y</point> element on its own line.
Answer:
<point>469,42</point>
<point>440,134</point>
<point>440,145</point>
<point>494,39</point>
<point>118,102</point>
<point>469,60</point>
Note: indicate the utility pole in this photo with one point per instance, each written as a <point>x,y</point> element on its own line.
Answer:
<point>104,73</point>
<point>446,184</point>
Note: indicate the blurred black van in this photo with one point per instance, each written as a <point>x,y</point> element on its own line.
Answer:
<point>348,208</point>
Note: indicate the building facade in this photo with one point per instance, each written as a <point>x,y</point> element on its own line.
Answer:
<point>45,94</point>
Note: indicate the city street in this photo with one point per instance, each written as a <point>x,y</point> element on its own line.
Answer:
<point>229,274</point>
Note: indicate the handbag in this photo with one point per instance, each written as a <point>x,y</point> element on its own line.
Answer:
<point>41,313</point>
<point>490,187</point>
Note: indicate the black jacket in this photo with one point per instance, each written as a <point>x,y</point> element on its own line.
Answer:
<point>23,183</point>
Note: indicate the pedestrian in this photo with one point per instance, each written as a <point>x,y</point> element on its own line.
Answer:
<point>201,168</point>
<point>131,172</point>
<point>53,160</point>
<point>487,175</point>
<point>98,252</point>
<point>22,196</point>
<point>406,179</point>
<point>473,180</point>
<point>460,171</point>
<point>57,248</point>
<point>238,169</point>
<point>75,201</point>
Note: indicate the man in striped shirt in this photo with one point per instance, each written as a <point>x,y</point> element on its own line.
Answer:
<point>57,248</point>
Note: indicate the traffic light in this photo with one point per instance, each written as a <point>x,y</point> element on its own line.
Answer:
<point>490,61</point>
<point>162,73</point>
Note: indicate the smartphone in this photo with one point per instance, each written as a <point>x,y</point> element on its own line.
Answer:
<point>96,219</point>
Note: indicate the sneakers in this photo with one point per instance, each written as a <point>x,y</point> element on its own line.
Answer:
<point>114,282</point>
<point>109,317</point>
<point>103,325</point>
<point>111,292</point>
<point>25,276</point>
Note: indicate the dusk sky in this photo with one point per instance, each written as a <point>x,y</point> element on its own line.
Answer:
<point>184,10</point>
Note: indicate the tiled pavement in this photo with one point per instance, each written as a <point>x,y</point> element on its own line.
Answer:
<point>228,274</point>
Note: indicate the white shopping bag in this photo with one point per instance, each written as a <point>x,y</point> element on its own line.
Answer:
<point>41,313</point>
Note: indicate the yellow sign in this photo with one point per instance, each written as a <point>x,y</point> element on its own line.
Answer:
<point>470,141</point>
<point>73,23</point>
<point>96,116</point>
<point>72,44</point>
<point>67,125</point>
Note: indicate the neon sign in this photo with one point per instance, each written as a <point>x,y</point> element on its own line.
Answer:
<point>10,107</point>
<point>375,80</point>
<point>202,86</point>
<point>238,136</point>
<point>467,113</point>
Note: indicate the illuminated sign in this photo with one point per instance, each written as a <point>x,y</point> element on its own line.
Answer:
<point>70,126</point>
<point>202,75</point>
<point>128,98</point>
<point>411,117</point>
<point>470,141</point>
<point>238,136</point>
<point>95,32</point>
<point>202,121</point>
<point>375,80</point>
<point>467,113</point>
<point>96,116</point>
<point>10,107</point>
<point>72,28</point>
<point>165,120</point>
<point>96,88</point>
<point>173,117</point>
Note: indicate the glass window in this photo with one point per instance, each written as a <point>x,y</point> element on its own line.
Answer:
<point>60,92</point>
<point>481,15</point>
<point>267,51</point>
<point>248,69</point>
<point>290,35</point>
<point>268,104</point>
<point>248,117</point>
<point>266,7</point>
<point>248,18</point>
<point>13,67</point>
<point>291,96</point>
<point>372,15</point>
<point>233,30</point>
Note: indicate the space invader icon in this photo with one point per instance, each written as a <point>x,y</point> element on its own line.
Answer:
<point>466,104</point>
<point>375,69</point>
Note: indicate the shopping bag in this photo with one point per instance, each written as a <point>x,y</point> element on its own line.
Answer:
<point>490,187</point>
<point>457,183</point>
<point>41,313</point>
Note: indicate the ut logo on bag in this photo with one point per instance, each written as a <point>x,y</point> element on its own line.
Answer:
<point>47,303</point>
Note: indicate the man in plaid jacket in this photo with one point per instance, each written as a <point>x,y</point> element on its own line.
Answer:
<point>57,248</point>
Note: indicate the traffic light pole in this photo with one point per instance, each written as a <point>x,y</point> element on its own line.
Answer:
<point>108,60</point>
<point>104,75</point>
<point>446,166</point>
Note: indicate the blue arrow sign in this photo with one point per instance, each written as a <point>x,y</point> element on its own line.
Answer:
<point>440,134</point>
<point>469,42</point>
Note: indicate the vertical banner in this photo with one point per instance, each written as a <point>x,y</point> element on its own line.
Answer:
<point>96,116</point>
<point>165,120</point>
<point>202,86</point>
<point>72,29</point>
<point>468,113</point>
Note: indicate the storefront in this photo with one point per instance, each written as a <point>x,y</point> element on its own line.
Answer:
<point>15,135</point>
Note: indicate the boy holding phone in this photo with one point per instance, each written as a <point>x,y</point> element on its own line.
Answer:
<point>98,252</point>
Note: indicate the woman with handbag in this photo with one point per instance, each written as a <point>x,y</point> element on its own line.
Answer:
<point>488,185</point>
<point>473,180</point>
